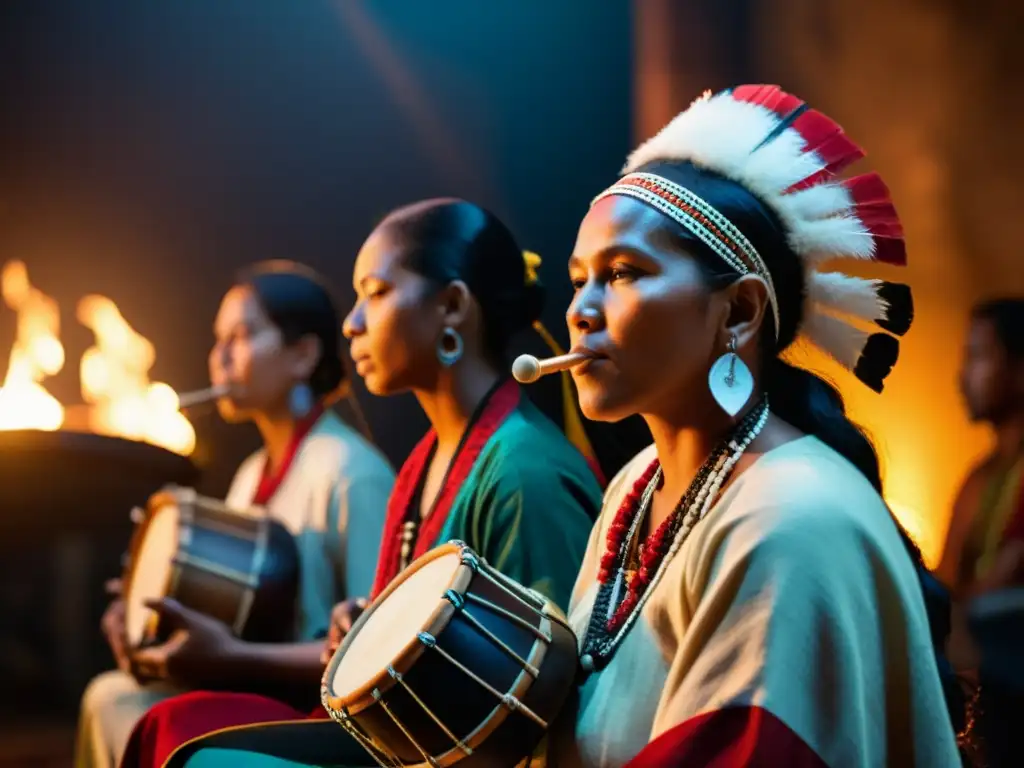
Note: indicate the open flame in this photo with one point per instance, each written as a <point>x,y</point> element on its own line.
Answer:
<point>37,353</point>
<point>115,382</point>
<point>121,400</point>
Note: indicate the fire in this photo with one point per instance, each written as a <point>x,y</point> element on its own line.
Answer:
<point>37,353</point>
<point>121,400</point>
<point>115,382</point>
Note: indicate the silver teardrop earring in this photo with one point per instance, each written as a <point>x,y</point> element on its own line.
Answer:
<point>449,347</point>
<point>730,380</point>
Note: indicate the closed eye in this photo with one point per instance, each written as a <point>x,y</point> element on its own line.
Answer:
<point>373,291</point>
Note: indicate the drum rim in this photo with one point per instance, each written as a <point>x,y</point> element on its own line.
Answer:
<point>154,504</point>
<point>362,697</point>
<point>181,497</point>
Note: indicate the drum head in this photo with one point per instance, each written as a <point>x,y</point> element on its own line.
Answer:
<point>151,570</point>
<point>394,623</point>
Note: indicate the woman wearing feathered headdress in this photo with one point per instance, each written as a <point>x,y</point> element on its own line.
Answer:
<point>747,597</point>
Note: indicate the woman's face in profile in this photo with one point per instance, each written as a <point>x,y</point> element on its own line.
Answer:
<point>248,356</point>
<point>396,323</point>
<point>643,307</point>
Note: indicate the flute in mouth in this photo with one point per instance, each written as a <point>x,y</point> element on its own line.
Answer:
<point>527,369</point>
<point>201,396</point>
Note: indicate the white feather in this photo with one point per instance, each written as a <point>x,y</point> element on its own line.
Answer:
<point>837,338</point>
<point>851,295</point>
<point>836,237</point>
<point>819,202</point>
<point>778,165</point>
<point>719,132</point>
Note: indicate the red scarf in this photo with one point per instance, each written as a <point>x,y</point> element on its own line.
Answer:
<point>501,403</point>
<point>270,482</point>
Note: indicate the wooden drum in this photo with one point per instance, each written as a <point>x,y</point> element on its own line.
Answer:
<point>241,568</point>
<point>452,663</point>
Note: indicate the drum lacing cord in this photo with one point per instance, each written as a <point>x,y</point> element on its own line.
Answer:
<point>459,602</point>
<point>510,701</point>
<point>459,743</point>
<point>367,743</point>
<point>379,698</point>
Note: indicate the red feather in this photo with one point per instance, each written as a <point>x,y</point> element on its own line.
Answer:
<point>868,188</point>
<point>838,152</point>
<point>880,219</point>
<point>811,181</point>
<point>768,96</point>
<point>891,251</point>
<point>824,136</point>
<point>874,207</point>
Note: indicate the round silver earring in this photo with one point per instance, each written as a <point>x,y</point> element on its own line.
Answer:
<point>449,347</point>
<point>730,380</point>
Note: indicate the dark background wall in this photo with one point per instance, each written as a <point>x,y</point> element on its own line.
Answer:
<point>147,151</point>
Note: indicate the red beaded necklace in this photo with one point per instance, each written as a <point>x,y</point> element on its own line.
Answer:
<point>652,552</point>
<point>610,619</point>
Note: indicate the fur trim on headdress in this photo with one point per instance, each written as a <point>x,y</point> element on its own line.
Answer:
<point>790,156</point>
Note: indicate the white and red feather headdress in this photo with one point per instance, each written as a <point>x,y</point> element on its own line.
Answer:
<point>789,156</point>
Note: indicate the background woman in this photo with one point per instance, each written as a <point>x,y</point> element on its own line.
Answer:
<point>441,288</point>
<point>277,348</point>
<point>746,598</point>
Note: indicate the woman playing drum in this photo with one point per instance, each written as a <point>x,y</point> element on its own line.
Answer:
<point>277,350</point>
<point>442,287</point>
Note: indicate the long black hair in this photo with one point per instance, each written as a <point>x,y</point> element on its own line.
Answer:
<point>800,397</point>
<point>447,239</point>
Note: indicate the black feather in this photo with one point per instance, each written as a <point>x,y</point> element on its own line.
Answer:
<point>900,314</point>
<point>877,359</point>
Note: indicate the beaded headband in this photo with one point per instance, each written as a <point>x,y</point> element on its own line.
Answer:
<point>701,219</point>
<point>789,157</point>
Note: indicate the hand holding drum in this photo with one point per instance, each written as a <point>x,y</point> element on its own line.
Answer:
<point>343,617</point>
<point>112,625</point>
<point>237,567</point>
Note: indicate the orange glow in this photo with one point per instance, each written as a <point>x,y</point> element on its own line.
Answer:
<point>121,400</point>
<point>37,353</point>
<point>917,426</point>
<point>115,382</point>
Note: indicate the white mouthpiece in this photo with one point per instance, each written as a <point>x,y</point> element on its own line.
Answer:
<point>526,369</point>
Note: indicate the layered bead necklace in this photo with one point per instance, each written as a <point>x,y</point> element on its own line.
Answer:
<point>630,569</point>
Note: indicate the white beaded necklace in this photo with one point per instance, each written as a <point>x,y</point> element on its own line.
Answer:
<point>701,504</point>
